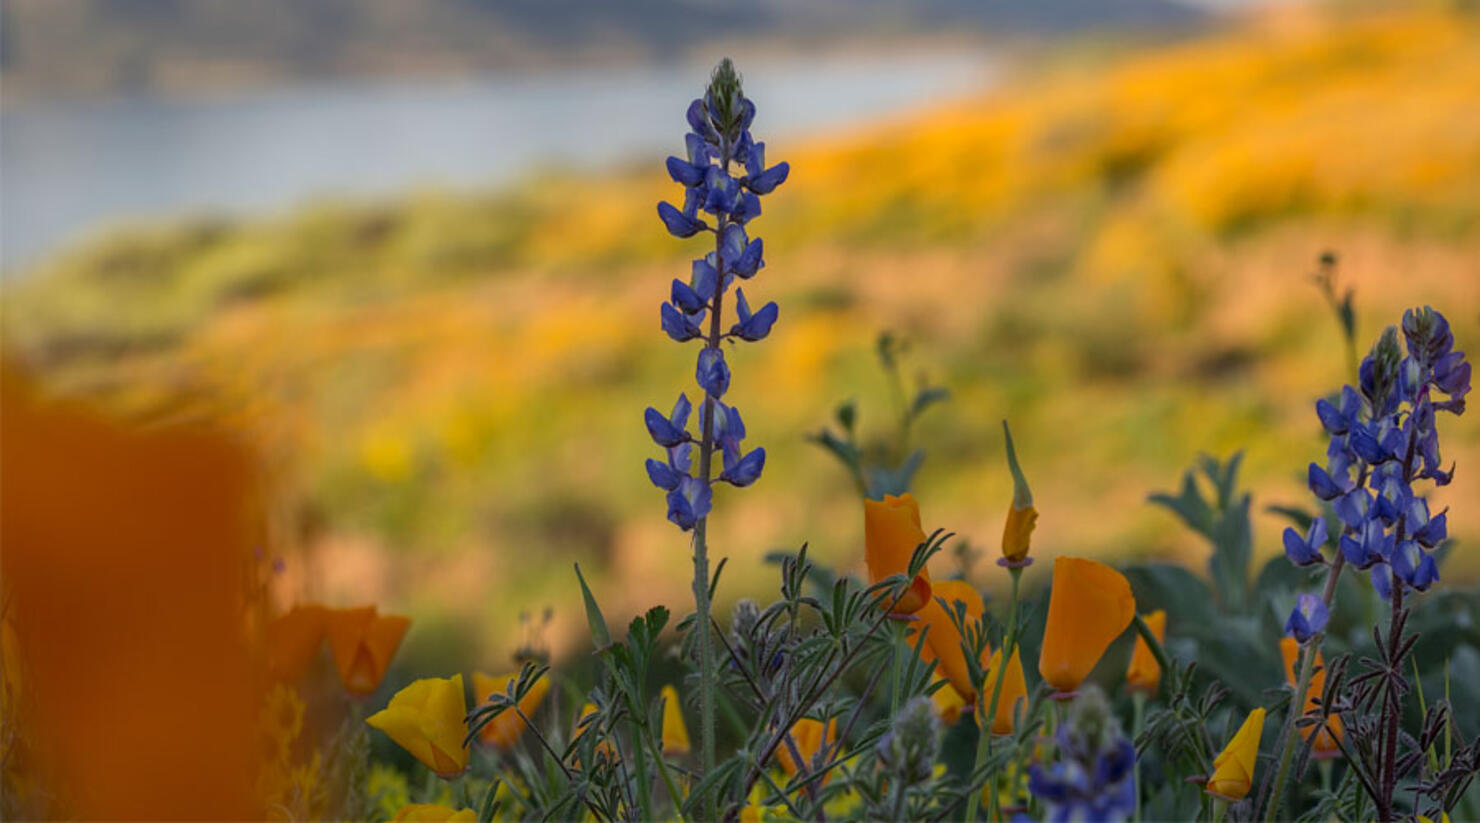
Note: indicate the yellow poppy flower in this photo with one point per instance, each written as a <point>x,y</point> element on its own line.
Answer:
<point>675,733</point>
<point>433,813</point>
<point>1144,673</point>
<point>891,532</point>
<point>1090,605</point>
<point>810,736</point>
<point>942,641</point>
<point>503,732</point>
<point>1326,745</point>
<point>363,644</point>
<point>1014,697</point>
<point>293,639</point>
<point>948,703</point>
<point>427,719</point>
<point>1233,768</point>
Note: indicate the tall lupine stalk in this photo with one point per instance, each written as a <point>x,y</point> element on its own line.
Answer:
<point>719,138</point>
<point>1384,433</point>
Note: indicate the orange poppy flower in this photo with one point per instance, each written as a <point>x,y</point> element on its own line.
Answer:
<point>1014,697</point>
<point>948,703</point>
<point>427,719</point>
<point>1017,532</point>
<point>943,641</point>
<point>293,639</point>
<point>891,532</point>
<point>1233,768</point>
<point>1090,605</point>
<point>810,736</point>
<point>363,644</point>
<point>1326,742</point>
<point>503,732</point>
<point>1144,673</point>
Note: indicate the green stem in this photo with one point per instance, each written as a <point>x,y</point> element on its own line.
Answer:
<point>899,646</point>
<point>1287,738</point>
<point>1138,713</point>
<point>984,721</point>
<point>667,777</point>
<point>644,792</point>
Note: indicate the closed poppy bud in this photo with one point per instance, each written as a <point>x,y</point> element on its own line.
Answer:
<point>1021,516</point>
<point>1326,741</point>
<point>1144,673</point>
<point>675,733</point>
<point>503,731</point>
<point>292,641</point>
<point>1233,768</point>
<point>1090,605</point>
<point>891,532</point>
<point>434,813</point>
<point>426,719</point>
<point>363,644</point>
<point>943,641</point>
<point>1014,696</point>
<point>810,736</point>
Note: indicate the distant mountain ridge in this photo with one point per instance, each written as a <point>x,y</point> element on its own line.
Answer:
<point>110,47</point>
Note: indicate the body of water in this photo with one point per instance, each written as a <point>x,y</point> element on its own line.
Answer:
<point>70,169</point>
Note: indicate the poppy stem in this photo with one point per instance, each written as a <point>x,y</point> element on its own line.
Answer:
<point>1138,713</point>
<point>985,720</point>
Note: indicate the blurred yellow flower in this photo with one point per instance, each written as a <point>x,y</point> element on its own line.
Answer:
<point>675,733</point>
<point>363,644</point>
<point>434,813</point>
<point>1144,673</point>
<point>604,748</point>
<point>503,732</point>
<point>891,532</point>
<point>427,719</point>
<point>1089,606</point>
<point>1233,768</point>
<point>948,703</point>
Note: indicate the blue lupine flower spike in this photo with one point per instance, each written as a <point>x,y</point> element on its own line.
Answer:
<point>724,174</point>
<point>1384,438</point>
<point>1308,619</point>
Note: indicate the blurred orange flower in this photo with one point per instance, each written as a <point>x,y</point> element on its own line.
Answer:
<point>503,732</point>
<point>1326,742</point>
<point>810,736</point>
<point>1013,699</point>
<point>293,639</point>
<point>433,813</point>
<point>675,733</point>
<point>1090,605</point>
<point>363,644</point>
<point>891,532</point>
<point>602,748</point>
<point>942,640</point>
<point>1144,673</point>
<point>427,719</point>
<point>948,703</point>
<point>1233,768</point>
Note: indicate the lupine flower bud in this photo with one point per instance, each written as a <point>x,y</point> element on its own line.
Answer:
<point>1308,619</point>
<point>909,748</point>
<point>1021,516</point>
<point>1233,768</point>
<point>1144,673</point>
<point>891,532</point>
<point>1089,606</point>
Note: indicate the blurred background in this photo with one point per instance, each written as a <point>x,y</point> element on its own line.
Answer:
<point>408,254</point>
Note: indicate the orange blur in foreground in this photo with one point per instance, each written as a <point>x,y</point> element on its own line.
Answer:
<point>126,564</point>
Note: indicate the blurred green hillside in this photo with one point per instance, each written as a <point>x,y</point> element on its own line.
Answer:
<point>1116,255</point>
